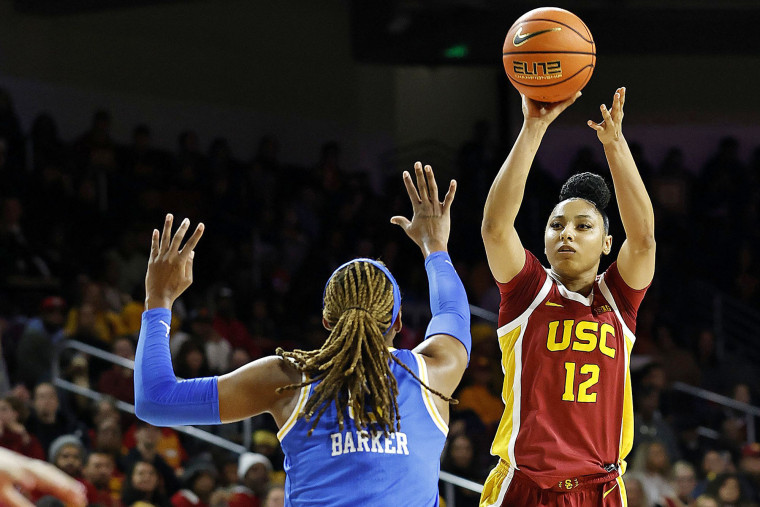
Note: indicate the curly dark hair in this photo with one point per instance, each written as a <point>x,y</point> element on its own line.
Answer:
<point>589,187</point>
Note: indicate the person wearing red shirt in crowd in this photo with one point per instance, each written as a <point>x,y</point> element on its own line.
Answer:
<point>13,434</point>
<point>199,482</point>
<point>98,472</point>
<point>253,474</point>
<point>118,381</point>
<point>226,324</point>
<point>67,454</point>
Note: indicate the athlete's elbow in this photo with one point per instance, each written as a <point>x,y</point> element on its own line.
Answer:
<point>491,229</point>
<point>143,409</point>
<point>644,243</point>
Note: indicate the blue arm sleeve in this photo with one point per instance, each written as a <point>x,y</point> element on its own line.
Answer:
<point>448,301</point>
<point>160,398</point>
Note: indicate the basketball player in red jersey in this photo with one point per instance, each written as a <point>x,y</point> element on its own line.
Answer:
<point>566,333</point>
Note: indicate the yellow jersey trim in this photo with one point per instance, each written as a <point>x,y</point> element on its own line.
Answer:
<point>302,397</point>
<point>427,397</point>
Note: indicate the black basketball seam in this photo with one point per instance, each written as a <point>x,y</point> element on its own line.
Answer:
<point>548,52</point>
<point>549,84</point>
<point>563,24</point>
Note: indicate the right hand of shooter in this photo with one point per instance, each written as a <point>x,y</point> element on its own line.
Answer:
<point>543,113</point>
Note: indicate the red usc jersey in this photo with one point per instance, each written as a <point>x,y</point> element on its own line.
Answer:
<point>567,387</point>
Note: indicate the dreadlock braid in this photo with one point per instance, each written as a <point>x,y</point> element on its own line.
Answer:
<point>352,367</point>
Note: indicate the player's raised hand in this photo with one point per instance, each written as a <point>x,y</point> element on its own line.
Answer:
<point>544,112</point>
<point>170,268</point>
<point>431,222</point>
<point>611,127</point>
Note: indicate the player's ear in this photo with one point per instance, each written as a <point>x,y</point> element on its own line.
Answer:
<point>607,245</point>
<point>326,324</point>
<point>398,325</point>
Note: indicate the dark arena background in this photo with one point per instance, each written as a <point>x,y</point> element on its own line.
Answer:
<point>284,127</point>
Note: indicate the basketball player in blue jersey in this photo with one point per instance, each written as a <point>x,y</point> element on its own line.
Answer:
<point>361,423</point>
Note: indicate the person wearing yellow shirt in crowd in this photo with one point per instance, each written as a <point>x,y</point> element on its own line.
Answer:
<point>91,321</point>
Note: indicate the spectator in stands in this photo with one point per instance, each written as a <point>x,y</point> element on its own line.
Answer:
<point>652,464</point>
<point>118,381</point>
<point>191,360</point>
<point>253,477</point>
<point>749,466</point>
<point>728,490</point>
<point>147,437</point>
<point>13,433</point>
<point>130,260</point>
<point>217,347</point>
<point>684,481</point>
<point>459,459</point>
<point>199,482</point>
<point>142,484</point>
<point>226,324</point>
<point>706,501</point>
<point>92,322</point>
<point>67,453</point>
<point>714,463</point>
<point>99,475</point>
<point>47,421</point>
<point>34,353</point>
<point>648,423</point>
<point>477,395</point>
<point>276,497</point>
<point>678,362</point>
<point>108,439</point>
<point>635,490</point>
<point>265,442</point>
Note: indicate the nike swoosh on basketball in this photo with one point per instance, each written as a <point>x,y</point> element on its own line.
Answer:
<point>521,38</point>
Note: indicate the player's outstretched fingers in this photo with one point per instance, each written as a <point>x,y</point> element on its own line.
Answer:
<point>421,184</point>
<point>167,234</point>
<point>192,242</point>
<point>179,235</point>
<point>449,198</point>
<point>154,248</point>
<point>409,184</point>
<point>432,185</point>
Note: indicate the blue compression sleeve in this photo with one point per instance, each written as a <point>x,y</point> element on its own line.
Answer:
<point>448,301</point>
<point>160,398</point>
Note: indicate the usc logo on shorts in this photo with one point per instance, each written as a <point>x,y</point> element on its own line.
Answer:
<point>568,483</point>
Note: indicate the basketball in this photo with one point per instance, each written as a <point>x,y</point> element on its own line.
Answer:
<point>549,54</point>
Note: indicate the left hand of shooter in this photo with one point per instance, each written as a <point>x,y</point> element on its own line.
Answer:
<point>611,128</point>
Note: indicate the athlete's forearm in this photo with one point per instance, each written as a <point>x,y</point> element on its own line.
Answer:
<point>160,398</point>
<point>448,300</point>
<point>633,201</point>
<point>506,193</point>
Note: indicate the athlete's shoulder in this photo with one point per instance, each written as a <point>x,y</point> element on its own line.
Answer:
<point>518,293</point>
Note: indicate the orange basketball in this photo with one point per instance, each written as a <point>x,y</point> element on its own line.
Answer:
<point>549,54</point>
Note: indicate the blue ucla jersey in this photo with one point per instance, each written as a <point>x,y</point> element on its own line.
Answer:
<point>348,468</point>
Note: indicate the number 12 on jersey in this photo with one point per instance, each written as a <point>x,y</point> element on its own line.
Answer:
<point>583,395</point>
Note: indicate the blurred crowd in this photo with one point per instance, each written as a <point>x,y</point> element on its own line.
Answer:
<point>75,225</point>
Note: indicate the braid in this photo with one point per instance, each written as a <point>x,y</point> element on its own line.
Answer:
<point>352,366</point>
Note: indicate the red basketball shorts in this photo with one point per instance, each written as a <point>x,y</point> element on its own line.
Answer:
<point>508,487</point>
